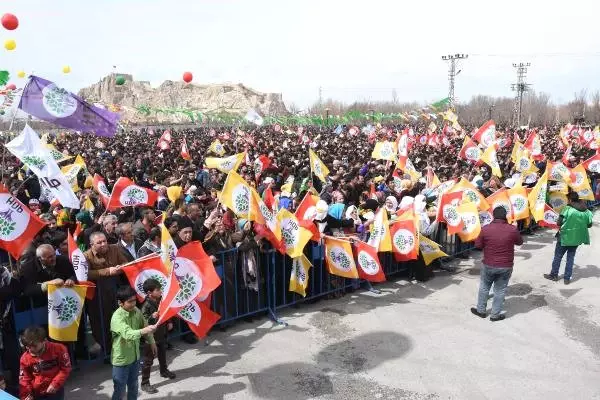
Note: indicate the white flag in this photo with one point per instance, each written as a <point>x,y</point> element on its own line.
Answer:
<point>253,117</point>
<point>28,148</point>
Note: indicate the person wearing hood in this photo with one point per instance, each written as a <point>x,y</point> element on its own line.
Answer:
<point>574,221</point>
<point>330,218</point>
<point>391,204</point>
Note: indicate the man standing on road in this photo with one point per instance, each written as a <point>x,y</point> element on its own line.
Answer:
<point>498,240</point>
<point>574,221</point>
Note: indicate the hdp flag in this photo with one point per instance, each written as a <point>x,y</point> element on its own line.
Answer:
<point>100,187</point>
<point>28,148</point>
<point>430,250</point>
<point>519,202</point>
<point>18,225</point>
<point>217,148</point>
<point>380,237</point>
<point>46,101</point>
<point>339,258</point>
<point>293,234</point>
<point>405,241</point>
<point>299,275</point>
<point>490,157</point>
<point>199,317</point>
<point>592,164</point>
<point>471,225</point>
<point>470,193</point>
<point>367,260</point>
<point>64,311</point>
<point>550,218</point>
<point>537,197</point>
<point>226,164</point>
<point>317,166</point>
<point>237,196</point>
<point>486,134</point>
<point>500,198</point>
<point>385,151</point>
<point>127,194</point>
<point>470,151</point>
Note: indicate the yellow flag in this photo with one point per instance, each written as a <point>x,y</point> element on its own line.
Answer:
<point>299,276</point>
<point>317,166</point>
<point>80,161</point>
<point>380,237</point>
<point>57,155</point>
<point>237,196</point>
<point>64,311</point>
<point>430,250</point>
<point>226,164</point>
<point>217,148</point>
<point>70,172</point>
<point>490,158</point>
<point>558,172</point>
<point>557,200</point>
<point>519,202</point>
<point>168,249</point>
<point>88,205</point>
<point>339,258</point>
<point>580,183</point>
<point>470,193</point>
<point>471,224</point>
<point>524,163</point>
<point>537,197</point>
<point>265,216</point>
<point>294,236</point>
<point>516,150</point>
<point>385,151</point>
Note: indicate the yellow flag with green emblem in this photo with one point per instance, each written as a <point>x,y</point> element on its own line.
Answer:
<point>299,276</point>
<point>64,311</point>
<point>317,166</point>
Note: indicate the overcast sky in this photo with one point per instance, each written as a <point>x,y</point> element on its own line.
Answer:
<point>355,50</point>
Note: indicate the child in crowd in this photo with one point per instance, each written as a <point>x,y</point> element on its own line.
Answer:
<point>45,367</point>
<point>153,292</point>
<point>127,326</point>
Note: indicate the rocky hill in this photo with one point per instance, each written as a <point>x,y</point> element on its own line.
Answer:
<point>220,98</point>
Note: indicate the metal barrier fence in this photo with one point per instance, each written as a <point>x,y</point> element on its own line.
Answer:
<point>253,283</point>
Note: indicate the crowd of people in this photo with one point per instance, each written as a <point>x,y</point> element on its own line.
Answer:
<point>188,195</point>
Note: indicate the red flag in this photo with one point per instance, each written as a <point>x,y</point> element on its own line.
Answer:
<point>100,187</point>
<point>260,164</point>
<point>191,259</point>
<point>470,151</point>
<point>164,142</point>
<point>534,146</point>
<point>405,242</point>
<point>486,134</point>
<point>566,156</point>
<point>269,199</point>
<point>447,212</point>
<point>264,231</point>
<point>367,260</point>
<point>78,230</point>
<point>307,207</point>
<point>550,218</point>
<point>592,164</point>
<point>199,317</point>
<point>185,154</point>
<point>128,194</point>
<point>18,225</point>
<point>80,266</point>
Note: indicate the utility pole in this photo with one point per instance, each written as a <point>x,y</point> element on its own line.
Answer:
<point>452,61</point>
<point>520,87</point>
<point>320,95</point>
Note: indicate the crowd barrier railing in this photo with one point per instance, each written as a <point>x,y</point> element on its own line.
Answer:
<point>254,283</point>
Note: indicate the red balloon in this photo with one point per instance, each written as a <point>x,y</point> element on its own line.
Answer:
<point>10,22</point>
<point>11,87</point>
<point>187,77</point>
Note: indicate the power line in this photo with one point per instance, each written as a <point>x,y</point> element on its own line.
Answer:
<point>520,87</point>
<point>452,61</point>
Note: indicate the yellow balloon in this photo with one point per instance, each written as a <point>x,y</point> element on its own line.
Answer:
<point>10,44</point>
<point>21,74</point>
<point>66,69</point>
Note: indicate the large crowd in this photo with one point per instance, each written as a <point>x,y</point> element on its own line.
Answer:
<point>188,195</point>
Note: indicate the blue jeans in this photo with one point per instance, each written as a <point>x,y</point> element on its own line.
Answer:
<point>126,376</point>
<point>559,252</point>
<point>499,277</point>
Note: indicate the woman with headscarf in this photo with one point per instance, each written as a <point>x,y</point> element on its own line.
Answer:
<point>391,205</point>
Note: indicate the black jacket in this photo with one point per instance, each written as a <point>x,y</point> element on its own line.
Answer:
<point>33,274</point>
<point>137,245</point>
<point>149,307</point>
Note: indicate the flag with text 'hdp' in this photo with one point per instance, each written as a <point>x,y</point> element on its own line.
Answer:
<point>48,102</point>
<point>28,148</point>
<point>18,225</point>
<point>64,311</point>
<point>299,275</point>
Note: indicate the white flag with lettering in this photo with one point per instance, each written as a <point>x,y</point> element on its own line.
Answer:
<point>28,148</point>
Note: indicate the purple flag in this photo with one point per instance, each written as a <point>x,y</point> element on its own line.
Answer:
<point>46,101</point>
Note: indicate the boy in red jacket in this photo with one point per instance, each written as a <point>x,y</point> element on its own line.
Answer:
<point>45,367</point>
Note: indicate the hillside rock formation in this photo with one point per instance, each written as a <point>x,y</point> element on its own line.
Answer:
<point>216,98</point>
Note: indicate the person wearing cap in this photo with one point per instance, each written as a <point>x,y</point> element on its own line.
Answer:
<point>574,221</point>
<point>498,240</point>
